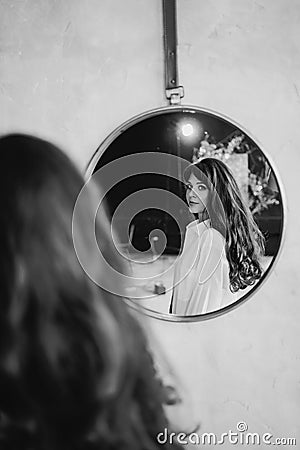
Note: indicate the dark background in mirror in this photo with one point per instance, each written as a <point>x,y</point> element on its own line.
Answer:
<point>181,133</point>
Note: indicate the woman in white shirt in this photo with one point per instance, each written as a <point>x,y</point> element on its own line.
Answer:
<point>222,247</point>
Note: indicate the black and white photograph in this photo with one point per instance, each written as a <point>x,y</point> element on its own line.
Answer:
<point>149,231</point>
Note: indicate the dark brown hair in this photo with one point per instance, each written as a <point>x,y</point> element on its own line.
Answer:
<point>231,216</point>
<point>75,370</point>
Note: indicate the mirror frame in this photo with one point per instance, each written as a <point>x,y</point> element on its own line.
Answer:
<point>190,108</point>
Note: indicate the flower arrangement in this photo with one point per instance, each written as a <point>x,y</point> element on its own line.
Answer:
<point>260,195</point>
<point>223,150</point>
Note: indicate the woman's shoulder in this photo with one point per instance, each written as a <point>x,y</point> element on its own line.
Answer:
<point>213,236</point>
<point>210,231</point>
<point>206,232</point>
<point>192,224</point>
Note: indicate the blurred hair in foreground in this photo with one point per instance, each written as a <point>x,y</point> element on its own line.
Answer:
<point>75,370</point>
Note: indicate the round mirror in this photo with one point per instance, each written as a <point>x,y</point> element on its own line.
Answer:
<point>196,211</point>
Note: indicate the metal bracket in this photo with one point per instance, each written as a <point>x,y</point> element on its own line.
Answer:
<point>174,92</point>
<point>175,95</point>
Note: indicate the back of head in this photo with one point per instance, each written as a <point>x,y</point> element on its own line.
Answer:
<point>75,372</point>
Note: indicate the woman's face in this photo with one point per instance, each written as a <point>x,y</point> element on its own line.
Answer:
<point>196,194</point>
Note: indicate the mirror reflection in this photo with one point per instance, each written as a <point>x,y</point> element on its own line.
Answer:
<point>195,207</point>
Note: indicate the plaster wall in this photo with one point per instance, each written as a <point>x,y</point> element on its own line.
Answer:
<point>73,70</point>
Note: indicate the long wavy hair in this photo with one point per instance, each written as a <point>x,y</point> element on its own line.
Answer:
<point>75,370</point>
<point>231,216</point>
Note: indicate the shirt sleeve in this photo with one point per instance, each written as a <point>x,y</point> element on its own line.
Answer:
<point>209,274</point>
<point>212,251</point>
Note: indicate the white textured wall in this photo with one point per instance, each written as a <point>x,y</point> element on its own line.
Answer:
<point>73,70</point>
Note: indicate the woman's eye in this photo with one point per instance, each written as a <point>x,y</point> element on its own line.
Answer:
<point>187,187</point>
<point>201,187</point>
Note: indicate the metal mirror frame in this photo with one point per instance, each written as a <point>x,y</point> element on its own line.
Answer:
<point>190,108</point>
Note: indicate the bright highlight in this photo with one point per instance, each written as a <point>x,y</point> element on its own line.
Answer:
<point>187,129</point>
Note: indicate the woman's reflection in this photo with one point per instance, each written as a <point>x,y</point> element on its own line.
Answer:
<point>223,246</point>
<point>155,241</point>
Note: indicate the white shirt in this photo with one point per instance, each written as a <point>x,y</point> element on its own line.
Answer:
<point>201,276</point>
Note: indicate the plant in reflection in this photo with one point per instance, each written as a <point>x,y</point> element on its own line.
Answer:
<point>260,195</point>
<point>222,150</point>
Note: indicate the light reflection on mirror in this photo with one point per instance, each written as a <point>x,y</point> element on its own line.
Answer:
<point>151,241</point>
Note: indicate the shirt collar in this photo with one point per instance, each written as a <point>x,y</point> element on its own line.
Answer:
<point>197,226</point>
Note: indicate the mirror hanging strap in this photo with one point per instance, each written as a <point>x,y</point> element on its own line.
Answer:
<point>174,92</point>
